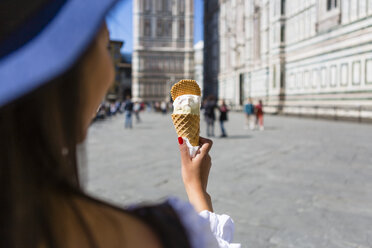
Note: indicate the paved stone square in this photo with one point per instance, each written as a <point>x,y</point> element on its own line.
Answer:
<point>301,183</point>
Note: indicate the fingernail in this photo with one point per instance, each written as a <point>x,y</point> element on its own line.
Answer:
<point>180,140</point>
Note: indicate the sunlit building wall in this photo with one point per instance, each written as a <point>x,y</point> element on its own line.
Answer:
<point>311,56</point>
<point>163,47</point>
<point>329,59</point>
<point>198,63</point>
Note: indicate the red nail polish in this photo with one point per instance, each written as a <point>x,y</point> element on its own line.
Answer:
<point>180,140</point>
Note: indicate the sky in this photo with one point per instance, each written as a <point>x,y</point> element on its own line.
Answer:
<point>120,23</point>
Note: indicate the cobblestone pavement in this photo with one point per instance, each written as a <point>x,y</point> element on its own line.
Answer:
<point>300,183</point>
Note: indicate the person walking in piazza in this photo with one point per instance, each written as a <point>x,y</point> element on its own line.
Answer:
<point>137,109</point>
<point>249,114</point>
<point>209,114</point>
<point>112,109</point>
<point>128,111</point>
<point>259,115</point>
<point>163,107</point>
<point>55,70</point>
<point>223,117</point>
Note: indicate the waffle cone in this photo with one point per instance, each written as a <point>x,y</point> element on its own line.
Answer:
<point>185,87</point>
<point>187,126</point>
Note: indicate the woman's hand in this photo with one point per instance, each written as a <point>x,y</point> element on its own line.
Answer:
<point>195,172</point>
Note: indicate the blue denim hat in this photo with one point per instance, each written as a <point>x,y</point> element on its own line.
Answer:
<point>48,44</point>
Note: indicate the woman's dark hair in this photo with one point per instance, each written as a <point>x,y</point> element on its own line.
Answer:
<point>39,183</point>
<point>38,137</point>
<point>38,172</point>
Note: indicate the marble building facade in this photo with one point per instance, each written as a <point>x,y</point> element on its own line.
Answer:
<point>301,57</point>
<point>163,47</point>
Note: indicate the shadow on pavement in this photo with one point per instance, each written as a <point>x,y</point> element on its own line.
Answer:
<point>143,127</point>
<point>270,128</point>
<point>244,136</point>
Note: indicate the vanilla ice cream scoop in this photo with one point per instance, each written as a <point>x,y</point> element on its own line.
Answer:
<point>187,104</point>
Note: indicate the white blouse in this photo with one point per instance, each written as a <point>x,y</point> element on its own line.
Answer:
<point>206,229</point>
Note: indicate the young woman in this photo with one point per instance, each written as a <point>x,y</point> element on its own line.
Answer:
<point>259,115</point>
<point>54,71</point>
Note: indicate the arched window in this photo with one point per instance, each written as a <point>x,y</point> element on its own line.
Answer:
<point>147,5</point>
<point>159,5</point>
<point>147,28</point>
<point>167,5</point>
<point>181,6</point>
<point>181,28</point>
<point>168,28</point>
<point>159,28</point>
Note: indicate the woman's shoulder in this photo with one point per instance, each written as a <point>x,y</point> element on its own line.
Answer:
<point>173,223</point>
<point>112,226</point>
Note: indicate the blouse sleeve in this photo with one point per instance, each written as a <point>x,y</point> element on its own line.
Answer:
<point>206,229</point>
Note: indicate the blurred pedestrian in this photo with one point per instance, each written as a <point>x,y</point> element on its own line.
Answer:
<point>137,109</point>
<point>112,109</point>
<point>209,114</point>
<point>157,107</point>
<point>117,107</point>
<point>170,106</point>
<point>259,115</point>
<point>128,109</point>
<point>163,107</point>
<point>223,117</point>
<point>149,107</point>
<point>107,108</point>
<point>249,114</point>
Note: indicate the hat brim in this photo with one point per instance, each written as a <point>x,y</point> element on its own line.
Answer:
<point>54,50</point>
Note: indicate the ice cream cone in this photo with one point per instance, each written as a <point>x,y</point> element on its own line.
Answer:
<point>185,87</point>
<point>187,126</point>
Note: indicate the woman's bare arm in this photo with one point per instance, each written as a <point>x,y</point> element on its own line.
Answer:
<point>195,172</point>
